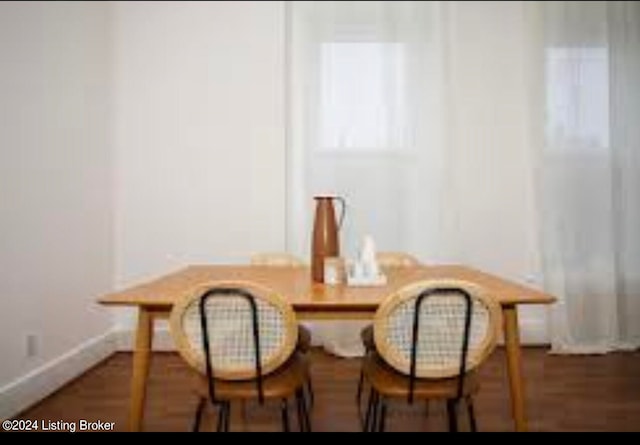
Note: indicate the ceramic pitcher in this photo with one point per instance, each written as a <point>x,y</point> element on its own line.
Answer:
<point>325,241</point>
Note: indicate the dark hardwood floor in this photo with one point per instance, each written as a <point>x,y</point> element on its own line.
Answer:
<point>564,393</point>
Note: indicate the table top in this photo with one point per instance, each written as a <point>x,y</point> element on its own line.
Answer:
<point>296,286</point>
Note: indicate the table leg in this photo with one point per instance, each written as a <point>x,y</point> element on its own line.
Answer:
<point>514,366</point>
<point>141,358</point>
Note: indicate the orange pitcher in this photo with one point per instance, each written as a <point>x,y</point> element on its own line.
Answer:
<point>326,242</point>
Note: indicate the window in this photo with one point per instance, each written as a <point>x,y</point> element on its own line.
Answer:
<point>362,96</point>
<point>578,96</point>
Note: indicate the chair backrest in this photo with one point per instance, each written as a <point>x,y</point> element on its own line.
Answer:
<point>396,259</point>
<point>238,316</point>
<point>276,259</point>
<point>436,328</point>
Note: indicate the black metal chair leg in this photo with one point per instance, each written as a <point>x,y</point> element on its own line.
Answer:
<point>361,413</point>
<point>452,415</point>
<point>224,417</point>
<point>306,398</point>
<point>360,385</point>
<point>221,421</point>
<point>227,420</point>
<point>375,411</point>
<point>299,410</point>
<point>199,409</point>
<point>367,418</point>
<point>300,406</point>
<point>472,415</point>
<point>303,415</point>
<point>285,415</point>
<point>383,415</point>
<point>310,391</point>
<point>307,416</point>
<point>361,379</point>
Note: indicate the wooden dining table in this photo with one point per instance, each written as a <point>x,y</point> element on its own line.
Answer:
<point>310,300</point>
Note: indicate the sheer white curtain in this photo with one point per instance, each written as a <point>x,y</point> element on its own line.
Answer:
<point>590,175</point>
<point>364,124</point>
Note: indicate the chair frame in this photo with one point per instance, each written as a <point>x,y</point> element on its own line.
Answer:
<point>276,259</point>
<point>375,418</point>
<point>267,295</point>
<point>392,260</point>
<point>415,332</point>
<point>223,289</point>
<point>235,291</point>
<point>282,260</point>
<point>409,292</point>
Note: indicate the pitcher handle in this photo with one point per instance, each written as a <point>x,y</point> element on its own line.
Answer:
<point>343,208</point>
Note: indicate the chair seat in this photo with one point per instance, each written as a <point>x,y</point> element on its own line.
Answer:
<point>390,383</point>
<point>366,335</point>
<point>304,339</point>
<point>281,383</point>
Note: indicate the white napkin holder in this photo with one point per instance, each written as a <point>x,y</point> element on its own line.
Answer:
<point>365,271</point>
<point>363,280</point>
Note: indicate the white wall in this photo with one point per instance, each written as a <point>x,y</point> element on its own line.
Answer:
<point>195,139</point>
<point>200,143</point>
<point>199,134</point>
<point>55,185</point>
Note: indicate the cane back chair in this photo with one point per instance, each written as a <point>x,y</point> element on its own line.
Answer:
<point>285,259</point>
<point>430,337</point>
<point>385,260</point>
<point>276,259</point>
<point>241,339</point>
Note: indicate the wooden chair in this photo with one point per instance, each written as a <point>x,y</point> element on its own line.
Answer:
<point>385,260</point>
<point>284,259</point>
<point>396,259</point>
<point>241,339</point>
<point>430,338</point>
<point>276,259</point>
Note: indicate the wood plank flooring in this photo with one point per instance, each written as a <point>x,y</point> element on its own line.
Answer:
<point>564,393</point>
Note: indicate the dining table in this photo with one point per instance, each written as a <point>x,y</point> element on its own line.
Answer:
<point>311,300</point>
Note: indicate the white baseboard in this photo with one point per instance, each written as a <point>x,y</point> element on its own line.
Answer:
<point>44,380</point>
<point>533,331</point>
<point>39,383</point>
<point>162,340</point>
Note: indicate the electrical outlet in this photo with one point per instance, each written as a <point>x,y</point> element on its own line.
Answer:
<point>31,345</point>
